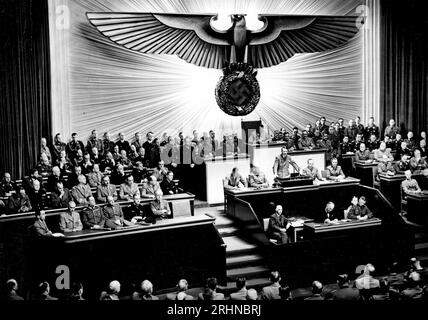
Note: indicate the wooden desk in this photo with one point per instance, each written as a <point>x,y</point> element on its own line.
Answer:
<point>390,186</point>
<point>417,208</point>
<point>366,172</point>
<point>381,241</point>
<point>347,163</point>
<point>216,171</point>
<point>296,200</point>
<point>263,156</point>
<point>188,248</point>
<point>29,216</point>
<point>314,229</point>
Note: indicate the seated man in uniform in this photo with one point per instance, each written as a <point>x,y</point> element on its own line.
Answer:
<point>418,164</point>
<point>161,171</point>
<point>385,168</point>
<point>114,215</point>
<point>128,189</point>
<point>19,202</point>
<point>360,211</point>
<point>149,190</point>
<point>137,214</point>
<point>335,172</point>
<point>383,150</point>
<point>70,220</point>
<point>168,184</point>
<point>95,177</point>
<point>81,192</point>
<point>403,165</point>
<point>139,172</point>
<point>257,179</point>
<point>332,216</point>
<point>410,186</point>
<point>93,216</point>
<point>363,155</point>
<point>106,190</point>
<point>282,164</point>
<point>312,172</point>
<point>278,226</point>
<point>7,186</point>
<point>306,143</point>
<point>235,180</point>
<point>160,208</point>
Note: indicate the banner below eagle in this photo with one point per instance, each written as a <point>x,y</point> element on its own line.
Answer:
<point>237,50</point>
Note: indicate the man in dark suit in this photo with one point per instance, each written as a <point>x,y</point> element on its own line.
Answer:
<point>278,226</point>
<point>61,197</point>
<point>37,194</point>
<point>168,185</point>
<point>241,294</point>
<point>54,178</point>
<point>345,292</point>
<point>123,144</point>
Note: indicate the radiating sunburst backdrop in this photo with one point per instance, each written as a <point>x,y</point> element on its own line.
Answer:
<point>114,89</point>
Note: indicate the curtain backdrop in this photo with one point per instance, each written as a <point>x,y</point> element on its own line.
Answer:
<point>112,89</point>
<point>25,114</point>
<point>405,63</point>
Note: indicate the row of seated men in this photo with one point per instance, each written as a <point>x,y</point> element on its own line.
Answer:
<point>405,285</point>
<point>108,217</point>
<point>257,178</point>
<point>33,196</point>
<point>338,139</point>
<point>280,226</point>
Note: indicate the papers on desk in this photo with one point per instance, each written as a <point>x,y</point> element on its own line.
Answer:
<point>298,223</point>
<point>58,235</point>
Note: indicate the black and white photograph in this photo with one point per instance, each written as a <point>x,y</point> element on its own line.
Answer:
<point>225,152</point>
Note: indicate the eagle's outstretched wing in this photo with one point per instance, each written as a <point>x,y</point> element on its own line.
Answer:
<point>188,36</point>
<point>285,36</point>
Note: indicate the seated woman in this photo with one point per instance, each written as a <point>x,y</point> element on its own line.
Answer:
<point>235,180</point>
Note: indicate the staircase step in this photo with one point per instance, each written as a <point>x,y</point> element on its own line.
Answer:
<point>237,246</point>
<point>223,221</point>
<point>421,237</point>
<point>421,246</point>
<point>415,226</point>
<point>228,231</point>
<point>244,260</point>
<point>248,272</point>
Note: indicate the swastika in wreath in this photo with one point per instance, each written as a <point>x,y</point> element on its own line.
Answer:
<point>238,91</point>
